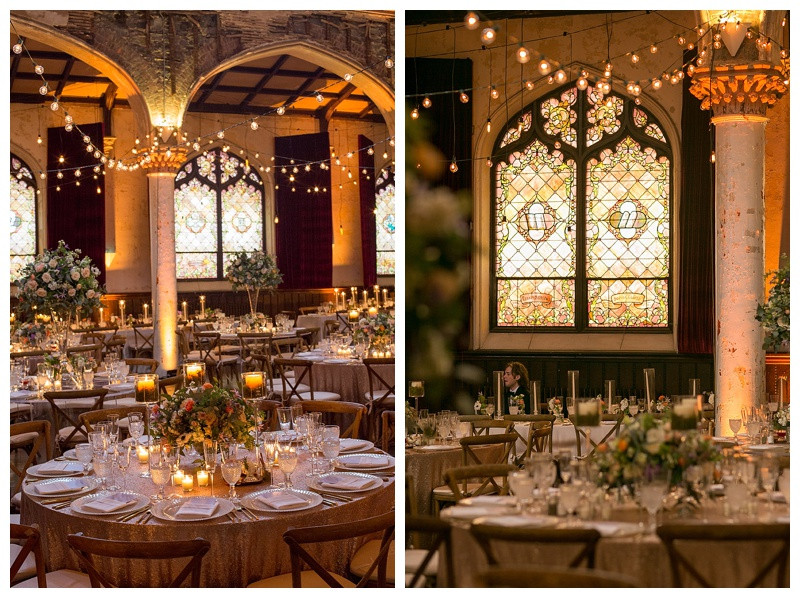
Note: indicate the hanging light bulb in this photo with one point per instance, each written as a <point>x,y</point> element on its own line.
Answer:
<point>488,35</point>
<point>38,69</point>
<point>523,55</point>
<point>713,156</point>
<point>319,97</point>
<point>674,79</point>
<point>77,172</point>
<point>488,125</point>
<point>42,175</point>
<point>656,84</point>
<point>391,141</point>
<point>281,110</point>
<point>68,127</point>
<point>550,79</point>
<point>17,48</point>
<point>489,162</point>
<point>253,125</point>
<point>348,77</point>
<point>385,155</point>
<point>426,102</point>
<point>196,146</point>
<point>690,46</point>
<point>544,67</point>
<point>388,63</point>
<point>471,21</point>
<point>681,40</point>
<point>43,90</point>
<point>68,119</point>
<point>276,216</point>
<point>221,135</point>
<point>39,140</point>
<point>561,76</point>
<point>637,89</point>
<point>582,83</point>
<point>370,151</point>
<point>653,48</point>
<point>463,97</point>
<point>414,114</point>
<point>58,187</point>
<point>529,85</point>
<point>59,175</point>
<point>634,58</point>
<point>453,166</point>
<point>494,93</point>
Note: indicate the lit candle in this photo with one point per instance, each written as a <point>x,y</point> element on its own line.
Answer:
<point>146,389</point>
<point>142,453</point>
<point>146,309</point>
<point>344,300</point>
<point>336,297</point>
<point>177,477</point>
<point>185,307</point>
<point>187,482</point>
<point>253,380</point>
<point>385,297</point>
<point>699,403</point>
<point>202,478</point>
<point>102,317</point>
<point>202,306</point>
<point>365,297</point>
<point>122,310</point>
<point>781,390</point>
<point>194,372</point>
<point>377,292</point>
<point>373,311</point>
<point>353,294</point>
<point>353,315</point>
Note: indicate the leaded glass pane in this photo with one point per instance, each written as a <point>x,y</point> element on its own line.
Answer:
<point>196,265</point>
<point>603,116</point>
<point>228,167</point>
<point>655,132</point>
<point>560,117</point>
<point>523,124</point>
<point>195,228</point>
<point>242,226</point>
<point>536,302</point>
<point>22,216</point>
<point>384,226</point>
<point>639,117</point>
<point>628,303</point>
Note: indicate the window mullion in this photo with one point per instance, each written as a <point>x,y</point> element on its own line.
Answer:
<point>218,189</point>
<point>581,293</point>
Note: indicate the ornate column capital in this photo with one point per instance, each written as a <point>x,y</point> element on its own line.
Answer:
<point>168,159</point>
<point>739,90</point>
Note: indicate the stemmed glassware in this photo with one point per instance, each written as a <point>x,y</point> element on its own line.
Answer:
<point>736,424</point>
<point>84,453</point>
<point>570,496</point>
<point>652,491</point>
<point>285,418</point>
<point>210,452</point>
<point>330,444</point>
<point>287,458</point>
<point>161,472</point>
<point>521,485</point>
<point>123,461</point>
<point>101,462</point>
<point>231,469</point>
<point>769,475</point>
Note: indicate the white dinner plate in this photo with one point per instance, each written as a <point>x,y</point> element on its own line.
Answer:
<point>314,483</point>
<point>78,505</point>
<point>166,510</point>
<point>767,447</point>
<point>488,500</point>
<point>34,471</point>
<point>89,485</point>
<point>437,447</point>
<point>342,462</point>
<point>352,445</point>
<point>250,501</point>
<point>70,455</point>
<point>143,440</point>
<point>336,361</point>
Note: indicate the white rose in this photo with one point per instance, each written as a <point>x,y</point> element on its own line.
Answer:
<point>41,292</point>
<point>52,263</point>
<point>90,293</point>
<point>31,284</point>
<point>71,292</point>
<point>75,275</point>
<point>85,272</point>
<point>46,277</point>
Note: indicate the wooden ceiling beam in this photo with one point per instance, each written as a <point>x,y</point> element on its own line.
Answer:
<point>264,80</point>
<point>209,89</point>
<point>326,112</point>
<point>255,70</point>
<point>305,86</point>
<point>35,98</point>
<point>72,79</point>
<point>274,91</point>
<point>234,109</point>
<point>65,76</point>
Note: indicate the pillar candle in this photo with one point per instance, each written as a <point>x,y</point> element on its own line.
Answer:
<point>344,300</point>
<point>781,390</point>
<point>101,315</point>
<point>122,310</point>
<point>365,297</point>
<point>142,453</point>
<point>185,307</point>
<point>146,310</point>
<point>377,291</point>
<point>177,477</point>
<point>385,297</point>
<point>202,478</point>
<point>373,311</point>
<point>336,298</point>
<point>353,294</point>
<point>187,483</point>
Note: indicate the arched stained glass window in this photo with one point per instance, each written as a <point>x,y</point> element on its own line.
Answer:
<point>219,210</point>
<point>582,216</point>
<point>384,222</point>
<point>22,204</point>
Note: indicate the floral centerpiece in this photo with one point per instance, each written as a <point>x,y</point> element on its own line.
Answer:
<point>781,419</point>
<point>30,333</point>
<point>647,442</point>
<point>378,327</point>
<point>189,417</point>
<point>518,402</point>
<point>774,314</point>
<point>662,404</point>
<point>253,272</point>
<point>555,407</point>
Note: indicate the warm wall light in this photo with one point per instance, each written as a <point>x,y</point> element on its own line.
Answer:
<point>110,257</point>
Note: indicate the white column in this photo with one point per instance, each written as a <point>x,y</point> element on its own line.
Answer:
<point>739,265</point>
<point>164,284</point>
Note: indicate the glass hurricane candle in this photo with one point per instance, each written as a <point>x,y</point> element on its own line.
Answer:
<point>146,388</point>
<point>194,373</point>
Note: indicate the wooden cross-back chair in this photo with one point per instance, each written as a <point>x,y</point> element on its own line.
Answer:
<point>253,343</point>
<point>380,396</point>
<point>287,347</point>
<point>185,351</point>
<point>356,410</point>
<point>580,434</point>
<point>87,548</point>
<point>291,387</point>
<point>584,538</point>
<point>36,438</point>
<point>29,540</point>
<point>724,537</point>
<point>387,431</point>
<point>341,317</point>
<point>94,351</point>
<point>87,400</point>
<point>269,408</point>
<point>141,365</point>
<point>298,539</point>
<point>208,345</point>
<point>310,336</point>
<point>551,577</point>
<point>203,325</point>
<point>422,563</point>
<point>170,384</point>
<point>143,340</point>
<point>308,310</point>
<point>486,426</point>
<point>331,326</point>
<point>540,438</point>
<point>488,474</point>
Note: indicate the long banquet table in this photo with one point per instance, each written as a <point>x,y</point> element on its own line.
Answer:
<point>242,551</point>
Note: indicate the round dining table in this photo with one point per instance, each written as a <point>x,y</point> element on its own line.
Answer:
<point>348,378</point>
<point>242,550</point>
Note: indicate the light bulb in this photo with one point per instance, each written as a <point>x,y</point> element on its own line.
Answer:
<point>196,146</point>
<point>472,21</point>
<point>348,77</point>
<point>544,67</point>
<point>550,79</point>
<point>58,187</point>
<point>681,40</point>
<point>690,46</point>
<point>494,93</point>
<point>78,172</point>
<point>370,151</point>
<point>488,125</point>
<point>68,119</point>
<point>68,127</point>
<point>656,84</point>
<point>529,85</point>
<point>281,110</point>
<point>39,140</point>
<point>43,90</point>
<point>391,141</point>
<point>488,35</point>
<point>582,83</point>
<point>609,66</point>
<point>385,155</point>
<point>653,49</point>
<point>489,162</point>
<point>221,135</point>
<point>713,157</point>
<point>453,166</point>
<point>42,175</point>
<point>38,69</point>
<point>319,97</point>
<point>463,97</point>
<point>276,216</point>
<point>17,48</point>
<point>253,125</point>
<point>637,89</point>
<point>426,102</point>
<point>414,114</point>
<point>673,79</point>
<point>523,56</point>
<point>634,58</point>
<point>561,76</point>
<point>717,45</point>
<point>96,154</point>
<point>59,175</point>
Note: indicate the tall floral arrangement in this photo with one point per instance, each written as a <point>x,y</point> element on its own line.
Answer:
<point>59,281</point>
<point>253,272</point>
<point>381,326</point>
<point>774,314</point>
<point>190,416</point>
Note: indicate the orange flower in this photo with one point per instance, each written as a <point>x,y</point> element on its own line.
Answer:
<point>207,386</point>
<point>189,405</point>
<point>622,445</point>
<point>602,448</point>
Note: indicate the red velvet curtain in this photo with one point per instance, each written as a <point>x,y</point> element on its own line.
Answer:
<point>366,194</point>
<point>696,300</point>
<point>77,213</point>
<point>304,235</point>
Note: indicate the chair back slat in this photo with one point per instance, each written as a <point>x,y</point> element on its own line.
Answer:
<point>31,544</point>
<point>458,479</point>
<point>141,365</point>
<point>302,369</point>
<point>60,415</point>
<point>585,538</point>
<point>42,440</point>
<point>357,410</point>
<point>439,533</point>
<point>89,418</point>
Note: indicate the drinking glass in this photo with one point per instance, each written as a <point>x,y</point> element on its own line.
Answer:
<point>330,443</point>
<point>564,462</point>
<point>285,418</point>
<point>301,427</point>
<point>570,496</point>
<point>41,379</point>
<point>736,424</point>
<point>521,485</point>
<point>84,453</point>
<point>297,411</point>
<point>135,427</point>
<point>416,391</point>
<point>161,473</point>
<point>88,378</point>
<point>633,407</point>
<point>232,472</point>
<point>124,461</point>
<point>113,427</point>
<point>287,459</point>
<point>652,491</point>
<point>97,441</point>
<point>102,467</point>
<point>769,475</point>
<point>737,494</point>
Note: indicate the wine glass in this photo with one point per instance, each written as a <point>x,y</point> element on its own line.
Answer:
<point>521,485</point>
<point>102,467</point>
<point>287,459</point>
<point>160,473</point>
<point>570,497</point>
<point>113,427</point>
<point>84,453</point>
<point>123,461</point>
<point>769,475</point>
<point>564,462</point>
<point>652,491</point>
<point>737,494</point>
<point>232,472</point>
<point>285,418</point>
<point>135,427</point>
<point>736,424</point>
<point>330,443</point>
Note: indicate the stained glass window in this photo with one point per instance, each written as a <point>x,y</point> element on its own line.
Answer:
<point>219,209</point>
<point>384,222</point>
<point>582,216</point>
<point>22,204</point>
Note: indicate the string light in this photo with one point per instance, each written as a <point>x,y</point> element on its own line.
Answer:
<point>488,125</point>
<point>634,58</point>
<point>414,114</point>
<point>471,21</point>
<point>582,83</point>
<point>43,90</point>
<point>463,97</point>
<point>389,63</point>
<point>523,55</point>
<point>253,125</point>
<point>39,140</point>
<point>426,102</point>
<point>38,69</point>
<point>453,166</point>
<point>488,35</point>
<point>560,76</point>
<point>494,93</point>
<point>544,67</point>
<point>281,110</point>
<point>17,48</point>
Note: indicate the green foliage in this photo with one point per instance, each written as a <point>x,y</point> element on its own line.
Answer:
<point>774,314</point>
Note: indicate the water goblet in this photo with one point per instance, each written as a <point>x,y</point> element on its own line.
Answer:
<point>287,459</point>
<point>102,467</point>
<point>232,472</point>
<point>330,444</point>
<point>160,473</point>
<point>84,454</point>
<point>521,485</point>
<point>570,496</point>
<point>652,491</point>
<point>285,418</point>
<point>769,476</point>
<point>737,494</point>
<point>297,411</point>
<point>736,424</point>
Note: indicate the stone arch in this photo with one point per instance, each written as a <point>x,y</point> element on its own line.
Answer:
<point>379,91</point>
<point>27,27</point>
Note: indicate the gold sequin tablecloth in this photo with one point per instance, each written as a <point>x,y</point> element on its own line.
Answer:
<point>349,380</point>
<point>241,552</point>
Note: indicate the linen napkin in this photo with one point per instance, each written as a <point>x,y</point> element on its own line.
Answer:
<point>365,462</point>
<point>59,468</point>
<point>346,482</point>
<point>59,486</point>
<point>199,506</point>
<point>110,503</point>
<point>282,500</point>
<point>463,512</point>
<point>352,444</point>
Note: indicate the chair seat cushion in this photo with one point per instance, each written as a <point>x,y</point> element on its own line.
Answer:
<point>120,402</point>
<point>365,556</point>
<point>308,579</point>
<point>414,558</point>
<point>16,501</point>
<point>63,578</point>
<point>377,395</point>
<point>28,568</point>
<point>21,440</point>
<point>321,395</point>
<point>192,356</point>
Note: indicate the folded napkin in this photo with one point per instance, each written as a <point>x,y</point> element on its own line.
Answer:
<point>110,503</point>
<point>352,444</point>
<point>59,468</point>
<point>199,506</point>
<point>365,462</point>
<point>59,486</point>
<point>22,394</point>
<point>282,500</point>
<point>346,482</point>
<point>520,521</point>
<point>464,512</point>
